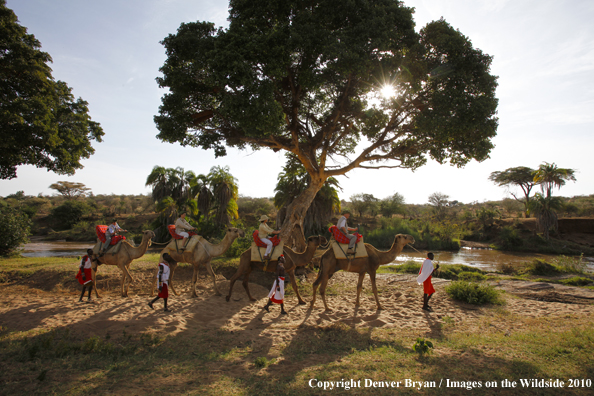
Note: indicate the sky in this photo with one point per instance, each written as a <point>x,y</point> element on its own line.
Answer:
<point>109,52</point>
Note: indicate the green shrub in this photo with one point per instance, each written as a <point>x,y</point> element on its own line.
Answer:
<point>452,271</point>
<point>510,237</point>
<point>15,227</point>
<point>571,264</point>
<point>409,267</point>
<point>577,281</point>
<point>539,267</point>
<point>474,293</point>
<point>69,213</point>
<point>261,362</point>
<point>471,276</point>
<point>421,346</point>
<point>239,246</point>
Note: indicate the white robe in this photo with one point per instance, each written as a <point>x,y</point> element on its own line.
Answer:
<point>426,271</point>
<point>277,296</point>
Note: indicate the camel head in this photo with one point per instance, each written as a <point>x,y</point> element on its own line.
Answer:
<point>317,240</point>
<point>235,232</point>
<point>148,234</point>
<point>401,240</point>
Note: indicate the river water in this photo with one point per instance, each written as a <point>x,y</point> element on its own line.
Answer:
<point>485,259</point>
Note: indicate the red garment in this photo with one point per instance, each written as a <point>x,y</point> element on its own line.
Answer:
<point>428,286</point>
<point>171,228</point>
<point>100,231</point>
<point>88,276</point>
<point>164,293</point>
<point>339,235</point>
<point>275,240</point>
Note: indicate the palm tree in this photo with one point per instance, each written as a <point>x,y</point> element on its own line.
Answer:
<point>550,176</point>
<point>545,205</point>
<point>225,192</point>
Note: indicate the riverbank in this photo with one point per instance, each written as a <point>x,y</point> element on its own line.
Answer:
<point>207,345</point>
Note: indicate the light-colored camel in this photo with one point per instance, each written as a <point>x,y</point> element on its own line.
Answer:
<point>122,259</point>
<point>202,253</point>
<point>329,265</point>
<point>292,261</point>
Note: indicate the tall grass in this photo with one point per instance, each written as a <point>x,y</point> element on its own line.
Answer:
<point>474,293</point>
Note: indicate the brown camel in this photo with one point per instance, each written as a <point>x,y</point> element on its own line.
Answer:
<point>202,253</point>
<point>292,261</point>
<point>329,265</point>
<point>123,258</point>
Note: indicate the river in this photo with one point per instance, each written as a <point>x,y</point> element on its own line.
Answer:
<point>485,259</point>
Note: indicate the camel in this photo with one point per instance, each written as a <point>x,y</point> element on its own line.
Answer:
<point>123,258</point>
<point>329,265</point>
<point>202,254</point>
<point>292,261</point>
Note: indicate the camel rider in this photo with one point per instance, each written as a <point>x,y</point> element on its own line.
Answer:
<point>277,293</point>
<point>344,228</point>
<point>112,230</point>
<point>263,231</point>
<point>181,228</point>
<point>163,278</point>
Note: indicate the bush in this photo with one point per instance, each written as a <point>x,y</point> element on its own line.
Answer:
<point>471,276</point>
<point>69,213</point>
<point>474,293</point>
<point>539,267</point>
<point>570,264</point>
<point>510,237</point>
<point>239,246</point>
<point>577,281</point>
<point>409,267</point>
<point>453,271</point>
<point>15,227</point>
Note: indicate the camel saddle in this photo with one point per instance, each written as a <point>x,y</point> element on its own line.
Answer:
<point>258,252</point>
<point>177,244</point>
<point>112,249</point>
<point>341,248</point>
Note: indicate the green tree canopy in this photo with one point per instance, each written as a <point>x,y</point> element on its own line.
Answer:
<point>520,176</point>
<point>306,77</point>
<point>70,190</point>
<point>550,176</point>
<point>41,123</point>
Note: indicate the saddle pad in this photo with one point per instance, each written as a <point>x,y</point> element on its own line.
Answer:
<point>176,244</point>
<point>360,250</point>
<point>276,252</point>
<point>112,249</point>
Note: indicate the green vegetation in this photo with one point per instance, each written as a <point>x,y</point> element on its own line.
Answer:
<point>422,346</point>
<point>14,230</point>
<point>474,293</point>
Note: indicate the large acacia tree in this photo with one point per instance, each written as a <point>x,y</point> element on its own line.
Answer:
<point>41,123</point>
<point>306,77</point>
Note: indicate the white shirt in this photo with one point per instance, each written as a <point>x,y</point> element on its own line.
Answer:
<point>87,264</point>
<point>182,225</point>
<point>426,271</point>
<point>165,274</point>
<point>342,222</point>
<point>113,228</point>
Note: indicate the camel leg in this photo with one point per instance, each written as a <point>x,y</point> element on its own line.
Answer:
<point>294,284</point>
<point>374,287</point>
<point>359,287</point>
<point>245,283</point>
<point>125,276</point>
<point>94,276</point>
<point>235,276</point>
<point>316,284</point>
<point>323,292</point>
<point>194,280</point>
<point>214,278</point>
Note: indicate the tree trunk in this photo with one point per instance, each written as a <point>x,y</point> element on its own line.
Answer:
<point>298,208</point>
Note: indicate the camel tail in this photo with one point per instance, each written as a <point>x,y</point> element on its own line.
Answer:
<point>319,278</point>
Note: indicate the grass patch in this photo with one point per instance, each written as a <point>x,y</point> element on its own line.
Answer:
<point>474,293</point>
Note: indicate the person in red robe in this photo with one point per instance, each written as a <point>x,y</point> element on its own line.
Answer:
<point>425,279</point>
<point>85,274</point>
<point>277,293</point>
<point>163,277</point>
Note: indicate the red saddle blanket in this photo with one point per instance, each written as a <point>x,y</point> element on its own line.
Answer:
<point>275,240</point>
<point>339,235</point>
<point>100,230</point>
<point>171,228</point>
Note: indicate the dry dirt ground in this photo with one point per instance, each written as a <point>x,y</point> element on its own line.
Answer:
<point>33,304</point>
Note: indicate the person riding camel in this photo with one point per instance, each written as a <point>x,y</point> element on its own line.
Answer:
<point>112,230</point>
<point>344,228</point>
<point>181,226</point>
<point>263,231</point>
